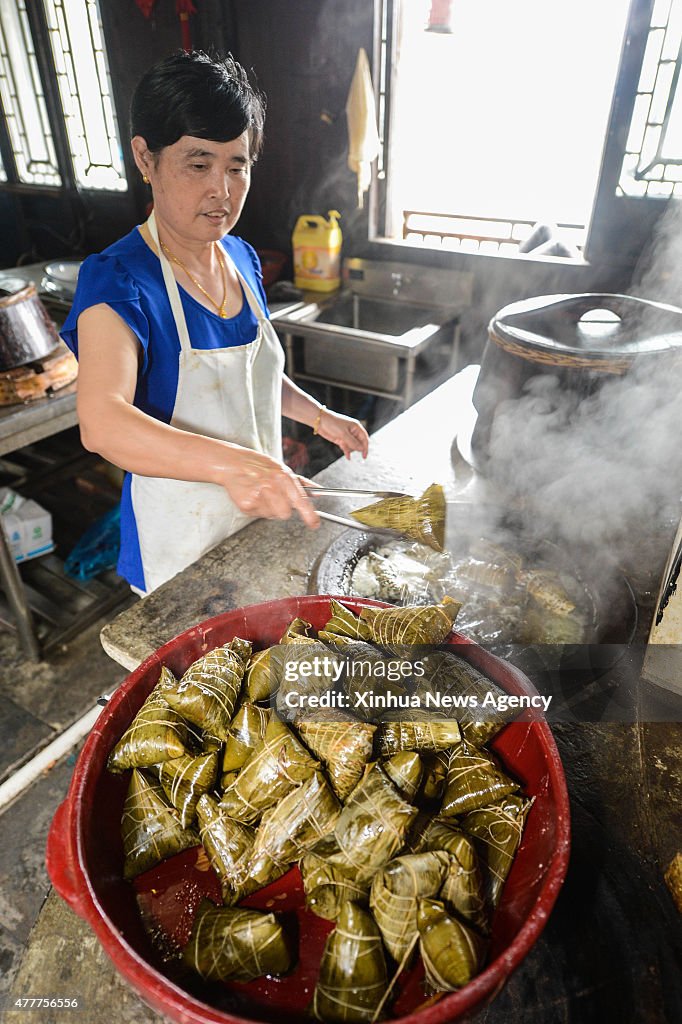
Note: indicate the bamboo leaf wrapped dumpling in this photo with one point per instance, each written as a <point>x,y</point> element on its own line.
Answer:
<point>474,780</point>
<point>228,845</point>
<point>367,677</point>
<point>344,622</point>
<point>185,779</point>
<point>278,763</point>
<point>431,734</point>
<point>411,626</point>
<point>259,681</point>
<point>299,631</point>
<point>150,828</point>
<point>262,677</point>
<point>395,894</point>
<point>342,743</point>
<point>233,944</point>
<point>462,887</point>
<point>353,977</point>
<point>157,733</point>
<point>245,733</point>
<point>452,952</point>
<point>448,673</point>
<point>421,519</point>
<point>207,693</point>
<point>497,830</point>
<point>435,774</point>
<point>405,770</point>
<point>301,818</point>
<point>311,669</point>
<point>326,888</point>
<point>372,826</point>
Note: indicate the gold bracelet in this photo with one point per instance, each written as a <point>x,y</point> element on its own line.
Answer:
<point>318,420</point>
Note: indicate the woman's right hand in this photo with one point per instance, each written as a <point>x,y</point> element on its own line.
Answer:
<point>263,487</point>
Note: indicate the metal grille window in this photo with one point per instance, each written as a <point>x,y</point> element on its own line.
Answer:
<point>69,137</point>
<point>652,165</point>
<point>85,89</point>
<point>23,100</point>
<point>493,121</point>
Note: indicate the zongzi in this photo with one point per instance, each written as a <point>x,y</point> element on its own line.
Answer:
<point>229,943</point>
<point>353,978</point>
<point>150,828</point>
<point>422,518</point>
<point>451,951</point>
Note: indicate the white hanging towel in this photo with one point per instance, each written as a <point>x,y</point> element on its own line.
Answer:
<point>363,137</point>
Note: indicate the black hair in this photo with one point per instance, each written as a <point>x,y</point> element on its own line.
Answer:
<point>192,93</point>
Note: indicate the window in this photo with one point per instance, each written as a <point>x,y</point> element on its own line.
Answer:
<point>495,122</point>
<point>81,124</point>
<point>23,99</point>
<point>652,164</point>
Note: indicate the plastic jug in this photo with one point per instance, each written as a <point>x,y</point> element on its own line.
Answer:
<point>317,252</point>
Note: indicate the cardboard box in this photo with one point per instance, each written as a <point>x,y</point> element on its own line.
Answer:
<point>28,527</point>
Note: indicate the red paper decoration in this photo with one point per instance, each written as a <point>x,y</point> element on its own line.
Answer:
<point>183,9</point>
<point>146,6</point>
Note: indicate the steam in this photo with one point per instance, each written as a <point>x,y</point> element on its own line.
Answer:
<point>658,275</point>
<point>598,465</point>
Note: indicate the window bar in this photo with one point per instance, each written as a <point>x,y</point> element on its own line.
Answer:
<point>8,168</point>
<point>444,227</point>
<point>657,157</point>
<point>35,163</point>
<point>92,135</point>
<point>385,29</point>
<point>644,169</point>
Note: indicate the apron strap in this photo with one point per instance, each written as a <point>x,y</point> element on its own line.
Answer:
<point>174,294</point>
<point>171,288</point>
<point>253,302</point>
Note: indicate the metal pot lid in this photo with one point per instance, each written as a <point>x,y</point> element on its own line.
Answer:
<point>595,325</point>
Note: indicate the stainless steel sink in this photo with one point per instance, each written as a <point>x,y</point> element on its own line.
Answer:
<point>369,334</point>
<point>375,318</point>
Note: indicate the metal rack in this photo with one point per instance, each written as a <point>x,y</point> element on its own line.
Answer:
<point>46,607</point>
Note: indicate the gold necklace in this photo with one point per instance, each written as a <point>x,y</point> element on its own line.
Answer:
<point>220,308</point>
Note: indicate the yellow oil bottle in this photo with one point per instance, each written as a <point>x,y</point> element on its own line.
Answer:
<point>317,252</point>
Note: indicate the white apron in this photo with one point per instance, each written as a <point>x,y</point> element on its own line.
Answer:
<point>234,394</point>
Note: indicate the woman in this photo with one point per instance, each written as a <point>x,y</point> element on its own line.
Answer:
<point>181,373</point>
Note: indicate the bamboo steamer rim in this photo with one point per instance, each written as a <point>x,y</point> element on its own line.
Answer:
<point>535,352</point>
<point>523,342</point>
<point>29,291</point>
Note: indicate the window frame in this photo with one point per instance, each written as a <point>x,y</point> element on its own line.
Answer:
<point>37,20</point>
<point>611,215</point>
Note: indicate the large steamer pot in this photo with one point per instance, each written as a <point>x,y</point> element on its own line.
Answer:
<point>583,340</point>
<point>85,857</point>
<point>27,333</point>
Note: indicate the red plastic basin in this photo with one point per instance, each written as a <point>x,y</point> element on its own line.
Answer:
<point>85,858</point>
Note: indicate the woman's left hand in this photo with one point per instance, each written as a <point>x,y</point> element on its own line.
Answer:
<point>347,433</point>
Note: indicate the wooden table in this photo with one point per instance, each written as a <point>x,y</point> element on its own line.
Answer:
<point>612,948</point>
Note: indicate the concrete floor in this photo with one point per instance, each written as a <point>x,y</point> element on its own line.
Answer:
<point>38,701</point>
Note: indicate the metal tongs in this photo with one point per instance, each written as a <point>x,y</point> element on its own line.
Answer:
<point>344,492</point>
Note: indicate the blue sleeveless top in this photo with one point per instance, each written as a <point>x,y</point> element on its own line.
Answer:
<point>127,277</point>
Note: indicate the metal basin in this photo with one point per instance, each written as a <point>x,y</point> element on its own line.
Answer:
<point>364,340</point>
<point>366,315</point>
